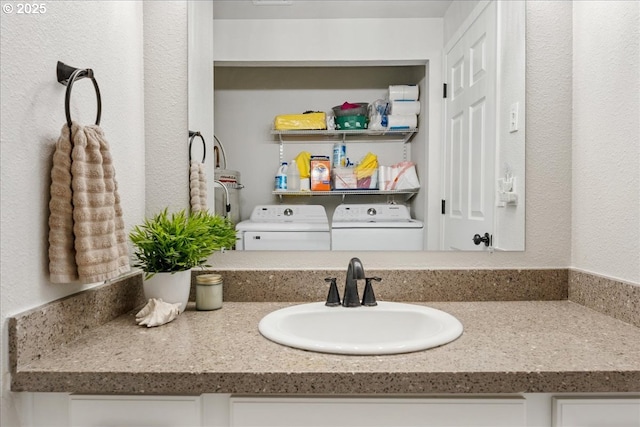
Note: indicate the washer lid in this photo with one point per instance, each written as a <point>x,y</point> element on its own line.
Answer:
<point>411,223</point>
<point>282,226</point>
<point>377,215</point>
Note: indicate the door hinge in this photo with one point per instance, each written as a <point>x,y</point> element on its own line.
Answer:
<point>444,90</point>
<point>443,207</point>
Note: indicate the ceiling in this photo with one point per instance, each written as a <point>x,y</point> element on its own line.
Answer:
<point>328,9</point>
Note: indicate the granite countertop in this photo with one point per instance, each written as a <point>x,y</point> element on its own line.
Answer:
<point>506,347</point>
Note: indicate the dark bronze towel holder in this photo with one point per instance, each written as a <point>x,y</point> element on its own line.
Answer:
<point>192,136</point>
<point>67,76</point>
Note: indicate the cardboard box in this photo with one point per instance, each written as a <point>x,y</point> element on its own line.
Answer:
<point>320,173</point>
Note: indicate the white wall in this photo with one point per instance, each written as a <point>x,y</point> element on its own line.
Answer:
<point>606,138</point>
<point>165,105</point>
<point>456,14</point>
<point>200,81</point>
<point>510,219</point>
<point>104,36</point>
<point>273,40</point>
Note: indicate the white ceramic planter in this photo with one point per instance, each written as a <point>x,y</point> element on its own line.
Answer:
<point>171,287</point>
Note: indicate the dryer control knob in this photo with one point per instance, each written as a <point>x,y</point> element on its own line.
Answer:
<point>371,211</point>
<point>288,212</point>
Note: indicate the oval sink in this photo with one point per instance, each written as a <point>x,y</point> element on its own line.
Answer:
<point>388,328</point>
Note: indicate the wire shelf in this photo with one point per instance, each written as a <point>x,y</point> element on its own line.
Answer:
<point>343,193</point>
<point>400,135</point>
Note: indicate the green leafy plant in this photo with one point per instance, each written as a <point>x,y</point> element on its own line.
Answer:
<point>179,241</point>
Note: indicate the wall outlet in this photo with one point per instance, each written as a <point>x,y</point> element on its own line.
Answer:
<point>513,117</point>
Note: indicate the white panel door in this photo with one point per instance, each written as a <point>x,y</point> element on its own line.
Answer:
<point>470,134</point>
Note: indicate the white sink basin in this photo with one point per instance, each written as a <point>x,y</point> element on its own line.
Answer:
<point>387,328</point>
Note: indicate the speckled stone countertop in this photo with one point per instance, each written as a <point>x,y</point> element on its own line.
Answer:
<point>506,347</point>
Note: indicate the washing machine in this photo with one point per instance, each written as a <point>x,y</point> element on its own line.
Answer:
<point>375,227</point>
<point>285,228</point>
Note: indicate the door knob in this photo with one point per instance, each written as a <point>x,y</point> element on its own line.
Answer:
<point>477,239</point>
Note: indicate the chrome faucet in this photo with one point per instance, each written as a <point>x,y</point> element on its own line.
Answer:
<point>355,271</point>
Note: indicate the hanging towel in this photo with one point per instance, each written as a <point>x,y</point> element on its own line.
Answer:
<point>87,242</point>
<point>197,187</point>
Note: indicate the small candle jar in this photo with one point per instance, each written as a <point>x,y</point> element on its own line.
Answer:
<point>208,292</point>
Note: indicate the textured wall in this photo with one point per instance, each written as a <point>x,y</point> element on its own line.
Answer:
<point>166,94</point>
<point>606,138</point>
<point>510,220</point>
<point>105,36</point>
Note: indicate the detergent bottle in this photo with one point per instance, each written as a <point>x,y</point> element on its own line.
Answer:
<point>281,177</point>
<point>339,155</point>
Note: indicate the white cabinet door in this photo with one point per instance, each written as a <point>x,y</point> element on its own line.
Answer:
<point>138,411</point>
<point>605,412</point>
<point>372,412</point>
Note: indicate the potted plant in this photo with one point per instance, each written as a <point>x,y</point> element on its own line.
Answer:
<point>167,246</point>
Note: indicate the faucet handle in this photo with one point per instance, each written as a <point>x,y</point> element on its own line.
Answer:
<point>333,298</point>
<point>368,297</point>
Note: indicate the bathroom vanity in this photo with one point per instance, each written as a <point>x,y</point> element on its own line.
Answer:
<point>518,362</point>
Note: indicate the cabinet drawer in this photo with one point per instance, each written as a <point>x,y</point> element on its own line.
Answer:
<point>372,412</point>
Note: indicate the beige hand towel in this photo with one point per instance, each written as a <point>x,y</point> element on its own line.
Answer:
<point>197,186</point>
<point>202,179</point>
<point>87,242</point>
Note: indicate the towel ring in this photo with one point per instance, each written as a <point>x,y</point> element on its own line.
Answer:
<point>192,136</point>
<point>67,76</point>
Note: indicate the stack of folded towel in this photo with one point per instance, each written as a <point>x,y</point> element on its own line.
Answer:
<point>87,242</point>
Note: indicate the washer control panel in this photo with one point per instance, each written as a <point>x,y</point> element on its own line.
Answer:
<point>371,213</point>
<point>289,213</point>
